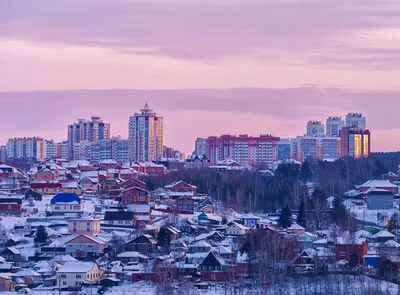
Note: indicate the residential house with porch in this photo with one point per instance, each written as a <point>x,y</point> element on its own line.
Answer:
<point>216,269</point>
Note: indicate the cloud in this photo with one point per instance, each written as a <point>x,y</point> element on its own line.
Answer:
<point>307,31</point>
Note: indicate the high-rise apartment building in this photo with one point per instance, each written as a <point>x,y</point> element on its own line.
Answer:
<point>26,148</point>
<point>82,150</point>
<point>356,120</point>
<point>115,148</point>
<point>324,147</point>
<point>51,149</point>
<point>146,135</point>
<point>62,150</point>
<point>92,130</point>
<point>355,142</point>
<point>3,153</point>
<point>283,149</point>
<point>257,151</point>
<point>333,126</point>
<point>315,128</point>
<point>200,146</point>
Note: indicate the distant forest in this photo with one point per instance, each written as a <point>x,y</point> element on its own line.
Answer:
<point>253,191</point>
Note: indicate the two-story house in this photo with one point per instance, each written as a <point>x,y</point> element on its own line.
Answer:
<point>179,189</point>
<point>236,229</point>
<point>84,225</point>
<point>75,274</point>
<point>85,246</point>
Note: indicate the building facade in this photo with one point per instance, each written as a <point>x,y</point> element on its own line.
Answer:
<point>255,151</point>
<point>305,147</point>
<point>3,153</point>
<point>333,126</point>
<point>355,142</point>
<point>115,148</point>
<point>26,148</point>
<point>315,128</point>
<point>200,146</point>
<point>92,130</point>
<point>356,120</point>
<point>146,135</point>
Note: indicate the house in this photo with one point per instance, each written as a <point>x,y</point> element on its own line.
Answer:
<point>249,220</point>
<point>305,240</point>
<point>134,195</point>
<point>46,187</point>
<point>215,269</point>
<point>151,168</point>
<point>159,194</point>
<point>30,193</point>
<point>63,203</point>
<point>179,189</point>
<point>119,218</point>
<point>382,237</point>
<point>209,219</point>
<point>84,246</point>
<point>75,274</point>
<point>379,199</point>
<point>351,249</point>
<point>45,174</point>
<point>84,225</point>
<point>89,184</point>
<point>6,284</point>
<point>236,229</point>
<point>304,262</point>
<point>110,184</point>
<point>11,254</point>
<point>144,244</point>
<point>296,229</point>
<point>378,184</point>
<point>173,233</point>
<point>131,257</point>
<point>199,247</point>
<point>131,182</point>
<point>185,203</point>
<point>29,277</point>
<point>10,206</point>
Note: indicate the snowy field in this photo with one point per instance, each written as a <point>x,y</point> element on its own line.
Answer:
<point>330,285</point>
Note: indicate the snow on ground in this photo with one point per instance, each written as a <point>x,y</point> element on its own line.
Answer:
<point>332,284</point>
<point>371,216</point>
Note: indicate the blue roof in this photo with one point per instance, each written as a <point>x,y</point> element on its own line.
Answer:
<point>65,198</point>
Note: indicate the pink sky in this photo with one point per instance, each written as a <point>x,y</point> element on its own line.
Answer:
<point>209,67</point>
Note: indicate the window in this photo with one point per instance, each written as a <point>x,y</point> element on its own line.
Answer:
<point>64,283</point>
<point>63,276</point>
<point>342,254</point>
<point>78,276</point>
<point>217,268</point>
<point>142,198</point>
<point>204,267</point>
<point>210,268</point>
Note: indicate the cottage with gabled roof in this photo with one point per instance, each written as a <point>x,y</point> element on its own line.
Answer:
<point>179,189</point>
<point>63,203</point>
<point>75,274</point>
<point>237,229</point>
<point>214,268</point>
<point>85,246</point>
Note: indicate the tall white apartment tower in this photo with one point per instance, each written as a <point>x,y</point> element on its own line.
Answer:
<point>145,135</point>
<point>356,120</point>
<point>315,128</point>
<point>333,126</point>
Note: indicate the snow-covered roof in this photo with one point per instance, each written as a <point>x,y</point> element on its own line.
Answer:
<point>200,244</point>
<point>296,227</point>
<point>383,234</point>
<point>77,267</point>
<point>139,208</point>
<point>131,254</point>
<point>63,258</point>
<point>238,225</point>
<point>248,216</point>
<point>392,244</point>
<point>378,183</point>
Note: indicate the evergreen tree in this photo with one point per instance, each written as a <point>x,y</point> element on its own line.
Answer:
<point>305,172</point>
<point>163,237</point>
<point>301,217</point>
<point>285,219</point>
<point>41,235</point>
<point>379,169</point>
<point>338,212</point>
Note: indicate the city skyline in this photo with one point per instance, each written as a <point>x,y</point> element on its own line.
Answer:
<point>203,121</point>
